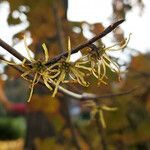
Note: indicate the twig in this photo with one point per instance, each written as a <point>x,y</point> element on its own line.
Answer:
<point>87,43</point>
<point>12,51</point>
<point>95,97</point>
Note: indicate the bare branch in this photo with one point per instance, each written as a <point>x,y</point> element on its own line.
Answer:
<point>87,43</point>
<point>12,51</point>
<point>86,96</point>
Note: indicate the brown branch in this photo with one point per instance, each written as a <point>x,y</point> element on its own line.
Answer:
<point>87,43</point>
<point>86,96</point>
<point>12,51</point>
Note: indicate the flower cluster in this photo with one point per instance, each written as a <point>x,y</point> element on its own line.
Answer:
<point>70,71</point>
<point>100,60</point>
<point>36,69</point>
<point>65,71</point>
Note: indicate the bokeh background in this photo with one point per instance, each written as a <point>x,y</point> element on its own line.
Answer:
<point>62,123</point>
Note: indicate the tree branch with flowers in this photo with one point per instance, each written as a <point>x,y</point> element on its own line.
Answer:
<point>55,72</point>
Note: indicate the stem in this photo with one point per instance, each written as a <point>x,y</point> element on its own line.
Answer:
<point>12,51</point>
<point>95,97</point>
<point>87,43</point>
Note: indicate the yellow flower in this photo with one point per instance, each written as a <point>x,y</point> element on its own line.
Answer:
<point>36,69</point>
<point>40,70</point>
<point>68,70</point>
<point>100,60</point>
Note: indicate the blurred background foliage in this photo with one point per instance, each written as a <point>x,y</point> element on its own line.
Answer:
<point>63,123</point>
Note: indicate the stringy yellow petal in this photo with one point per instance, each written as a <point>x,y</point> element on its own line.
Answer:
<point>109,108</point>
<point>69,50</point>
<point>101,115</point>
<point>61,78</point>
<point>45,52</point>
<point>47,84</point>
<point>104,71</point>
<point>54,65</point>
<point>83,67</point>
<point>79,76</point>
<point>10,63</point>
<point>25,74</point>
<point>32,88</point>
<point>28,50</point>
<point>112,48</point>
<point>24,65</point>
<point>116,69</point>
